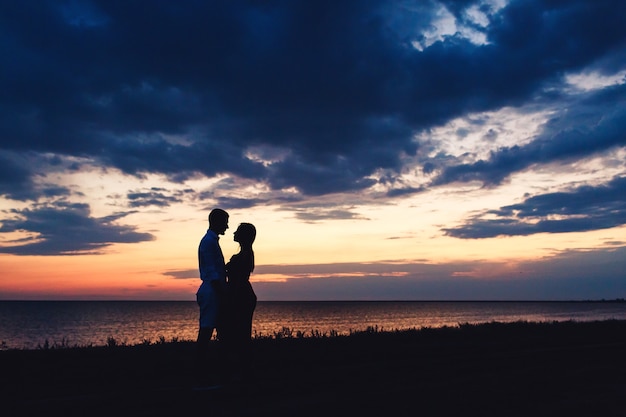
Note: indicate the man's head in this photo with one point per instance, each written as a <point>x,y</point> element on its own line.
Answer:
<point>218,221</point>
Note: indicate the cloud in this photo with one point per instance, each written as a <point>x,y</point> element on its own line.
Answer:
<point>15,180</point>
<point>66,229</point>
<point>564,275</point>
<point>586,127</point>
<point>153,197</point>
<point>567,275</point>
<point>311,215</point>
<point>338,86</point>
<point>399,192</point>
<point>301,102</point>
<point>238,203</point>
<point>183,274</point>
<point>581,209</point>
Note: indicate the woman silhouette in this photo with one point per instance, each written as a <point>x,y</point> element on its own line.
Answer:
<point>241,297</point>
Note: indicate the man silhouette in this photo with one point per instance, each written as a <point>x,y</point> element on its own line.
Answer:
<point>210,295</point>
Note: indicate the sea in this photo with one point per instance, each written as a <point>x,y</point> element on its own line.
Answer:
<point>62,324</point>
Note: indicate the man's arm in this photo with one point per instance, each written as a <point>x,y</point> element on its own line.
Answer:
<point>211,261</point>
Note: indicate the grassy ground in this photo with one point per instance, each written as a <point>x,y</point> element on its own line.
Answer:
<point>516,369</point>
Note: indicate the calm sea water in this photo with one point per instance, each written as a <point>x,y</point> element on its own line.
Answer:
<point>29,324</point>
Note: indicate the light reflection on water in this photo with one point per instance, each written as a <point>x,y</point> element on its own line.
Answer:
<point>28,324</point>
<point>344,317</point>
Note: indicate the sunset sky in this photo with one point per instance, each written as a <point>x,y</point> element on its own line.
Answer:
<point>414,150</point>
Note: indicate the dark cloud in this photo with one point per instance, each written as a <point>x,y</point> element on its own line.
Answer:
<point>153,197</point>
<point>587,127</point>
<point>66,229</point>
<point>183,274</point>
<point>16,179</point>
<point>137,156</point>
<point>337,84</point>
<point>238,203</point>
<point>399,192</point>
<point>336,174</point>
<point>568,275</point>
<point>315,214</point>
<point>582,209</point>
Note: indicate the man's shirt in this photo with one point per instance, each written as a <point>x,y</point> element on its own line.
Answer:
<point>210,258</point>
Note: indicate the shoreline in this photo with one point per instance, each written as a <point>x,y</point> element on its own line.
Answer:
<point>33,325</point>
<point>500,369</point>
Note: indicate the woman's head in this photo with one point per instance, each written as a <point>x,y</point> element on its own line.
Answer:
<point>245,234</point>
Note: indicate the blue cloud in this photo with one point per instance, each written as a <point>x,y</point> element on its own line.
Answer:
<point>66,229</point>
<point>582,209</point>
<point>336,84</point>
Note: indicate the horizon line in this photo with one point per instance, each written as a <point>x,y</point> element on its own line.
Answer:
<point>617,299</point>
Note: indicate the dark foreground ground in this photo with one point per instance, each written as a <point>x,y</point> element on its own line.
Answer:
<point>518,369</point>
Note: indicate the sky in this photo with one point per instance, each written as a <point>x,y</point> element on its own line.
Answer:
<point>384,150</point>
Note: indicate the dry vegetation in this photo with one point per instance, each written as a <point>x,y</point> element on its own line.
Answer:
<point>493,369</point>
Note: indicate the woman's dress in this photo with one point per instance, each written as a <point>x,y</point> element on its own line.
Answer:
<point>241,299</point>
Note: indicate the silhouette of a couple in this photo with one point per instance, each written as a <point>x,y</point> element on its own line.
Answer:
<point>227,302</point>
